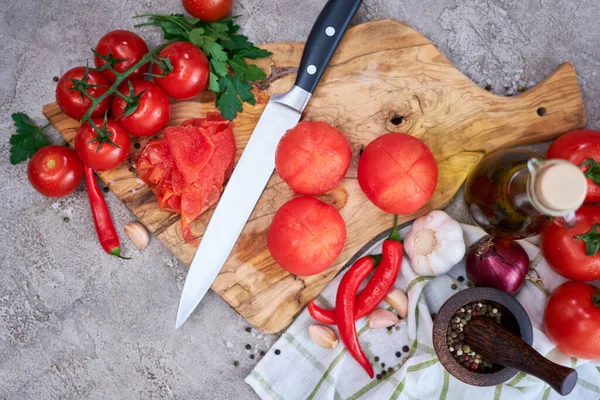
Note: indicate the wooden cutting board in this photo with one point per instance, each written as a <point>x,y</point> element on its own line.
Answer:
<point>385,77</point>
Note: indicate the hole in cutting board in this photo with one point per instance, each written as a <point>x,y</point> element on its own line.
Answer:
<point>541,111</point>
<point>397,119</point>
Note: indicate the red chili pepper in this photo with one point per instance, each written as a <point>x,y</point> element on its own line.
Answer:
<point>379,285</point>
<point>344,312</point>
<point>104,227</point>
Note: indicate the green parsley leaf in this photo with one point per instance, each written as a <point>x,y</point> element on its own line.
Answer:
<point>28,139</point>
<point>230,75</point>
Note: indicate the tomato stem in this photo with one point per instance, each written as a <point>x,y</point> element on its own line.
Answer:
<point>596,298</point>
<point>591,240</point>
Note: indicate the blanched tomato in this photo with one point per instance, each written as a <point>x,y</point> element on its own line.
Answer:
<point>313,157</point>
<point>306,236</point>
<point>398,173</point>
<point>123,45</point>
<point>71,102</point>
<point>208,10</point>
<point>54,171</point>
<point>190,72</point>
<point>103,151</point>
<point>152,113</point>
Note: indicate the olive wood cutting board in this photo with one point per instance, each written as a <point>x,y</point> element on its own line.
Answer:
<point>385,77</point>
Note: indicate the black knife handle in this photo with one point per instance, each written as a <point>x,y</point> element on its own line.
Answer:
<point>324,38</point>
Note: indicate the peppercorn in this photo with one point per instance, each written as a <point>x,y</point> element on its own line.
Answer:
<point>248,329</point>
<point>398,354</point>
<point>262,353</point>
<point>405,349</point>
<point>390,370</point>
<point>248,347</point>
<point>378,376</point>
<point>376,359</point>
<point>460,278</point>
<point>454,286</point>
<point>252,356</point>
<point>236,363</point>
<point>277,352</point>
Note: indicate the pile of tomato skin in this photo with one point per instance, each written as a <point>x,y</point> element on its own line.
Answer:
<point>572,315</point>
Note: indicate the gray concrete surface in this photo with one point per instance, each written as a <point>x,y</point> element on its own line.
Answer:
<point>77,324</point>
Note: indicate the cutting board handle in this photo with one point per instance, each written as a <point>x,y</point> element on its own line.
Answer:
<point>324,38</point>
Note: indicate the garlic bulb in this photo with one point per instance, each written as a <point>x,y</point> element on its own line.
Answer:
<point>434,244</point>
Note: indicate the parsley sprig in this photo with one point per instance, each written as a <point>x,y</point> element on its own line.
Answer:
<point>226,50</point>
<point>28,139</point>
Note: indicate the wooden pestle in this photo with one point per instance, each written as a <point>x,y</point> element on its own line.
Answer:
<point>501,346</point>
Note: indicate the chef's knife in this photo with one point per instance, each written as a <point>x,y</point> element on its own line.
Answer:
<point>257,162</point>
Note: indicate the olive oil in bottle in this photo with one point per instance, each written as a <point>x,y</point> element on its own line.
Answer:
<point>516,193</point>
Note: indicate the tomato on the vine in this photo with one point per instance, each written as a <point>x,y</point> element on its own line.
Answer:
<point>152,112</point>
<point>572,319</point>
<point>103,151</point>
<point>189,76</point>
<point>122,45</point>
<point>208,10</point>
<point>54,171</point>
<point>75,104</point>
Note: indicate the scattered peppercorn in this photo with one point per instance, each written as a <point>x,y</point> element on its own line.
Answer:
<point>383,373</point>
<point>454,286</point>
<point>460,278</point>
<point>252,356</point>
<point>55,78</point>
<point>105,189</point>
<point>398,354</point>
<point>66,219</point>
<point>137,146</point>
<point>382,365</point>
<point>405,349</point>
<point>488,87</point>
<point>248,347</point>
<point>390,370</point>
<point>378,376</point>
<point>277,352</point>
<point>236,363</point>
<point>470,284</point>
<point>131,169</point>
<point>248,329</point>
<point>262,353</point>
<point>376,359</point>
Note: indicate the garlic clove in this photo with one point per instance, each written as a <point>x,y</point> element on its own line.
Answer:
<point>399,302</point>
<point>381,318</point>
<point>138,234</point>
<point>323,336</point>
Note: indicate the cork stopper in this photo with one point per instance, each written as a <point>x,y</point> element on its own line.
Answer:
<point>560,187</point>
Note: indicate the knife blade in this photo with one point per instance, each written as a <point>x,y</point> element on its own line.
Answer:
<point>257,162</point>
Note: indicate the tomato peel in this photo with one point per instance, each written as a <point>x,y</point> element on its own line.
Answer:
<point>187,168</point>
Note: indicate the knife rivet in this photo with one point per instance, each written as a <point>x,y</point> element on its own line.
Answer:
<point>330,31</point>
<point>311,69</point>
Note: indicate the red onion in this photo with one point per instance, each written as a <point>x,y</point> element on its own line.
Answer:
<point>498,263</point>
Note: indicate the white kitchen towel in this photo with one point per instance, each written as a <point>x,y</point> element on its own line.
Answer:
<point>296,368</point>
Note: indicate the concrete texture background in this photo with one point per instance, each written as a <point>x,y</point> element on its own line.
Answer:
<point>77,324</point>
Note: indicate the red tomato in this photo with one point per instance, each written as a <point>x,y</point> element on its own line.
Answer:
<point>71,102</point>
<point>123,45</point>
<point>313,157</point>
<point>578,147</point>
<point>565,249</point>
<point>572,320</point>
<point>102,156</point>
<point>306,236</point>
<point>398,173</point>
<point>153,111</point>
<point>190,72</point>
<point>208,10</point>
<point>54,171</point>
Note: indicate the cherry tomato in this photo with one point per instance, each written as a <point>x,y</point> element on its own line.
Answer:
<point>208,10</point>
<point>107,155</point>
<point>122,45</point>
<point>572,320</point>
<point>153,111</point>
<point>398,173</point>
<point>313,157</point>
<point>71,102</point>
<point>577,147</point>
<point>306,236</point>
<point>54,171</point>
<point>190,72</point>
<point>565,249</point>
